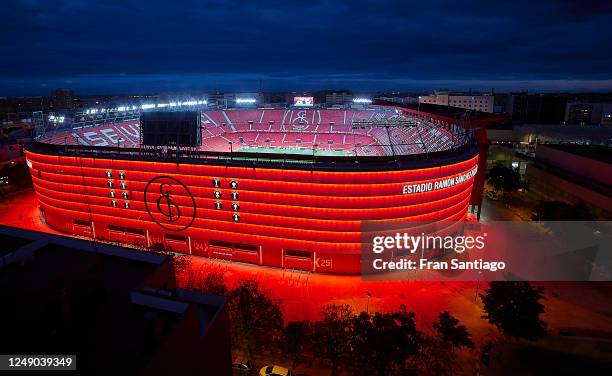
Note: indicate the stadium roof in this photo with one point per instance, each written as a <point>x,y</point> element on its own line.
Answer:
<point>445,111</point>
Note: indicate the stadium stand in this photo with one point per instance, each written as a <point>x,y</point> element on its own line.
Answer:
<point>356,132</point>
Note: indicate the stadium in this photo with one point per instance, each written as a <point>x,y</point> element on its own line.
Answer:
<point>282,187</point>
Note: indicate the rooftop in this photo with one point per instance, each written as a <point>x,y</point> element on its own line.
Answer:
<point>446,111</point>
<point>68,296</point>
<point>10,243</point>
<point>594,152</point>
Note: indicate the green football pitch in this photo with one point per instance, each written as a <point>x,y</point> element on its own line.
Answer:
<point>295,151</point>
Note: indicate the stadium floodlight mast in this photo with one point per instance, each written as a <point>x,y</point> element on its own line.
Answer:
<point>56,119</point>
<point>362,100</point>
<point>148,106</point>
<point>245,100</point>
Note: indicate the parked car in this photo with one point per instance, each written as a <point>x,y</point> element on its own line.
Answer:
<point>493,195</point>
<point>275,371</point>
<point>241,366</point>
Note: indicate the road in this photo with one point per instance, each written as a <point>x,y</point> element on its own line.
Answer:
<point>497,211</point>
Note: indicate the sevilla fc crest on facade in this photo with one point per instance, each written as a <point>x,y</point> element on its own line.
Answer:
<point>170,203</point>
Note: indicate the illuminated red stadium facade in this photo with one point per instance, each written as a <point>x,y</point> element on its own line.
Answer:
<point>286,188</point>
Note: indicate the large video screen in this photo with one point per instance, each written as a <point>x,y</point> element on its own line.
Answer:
<point>164,128</point>
<point>303,101</point>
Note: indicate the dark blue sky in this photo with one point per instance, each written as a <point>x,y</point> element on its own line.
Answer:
<point>179,46</point>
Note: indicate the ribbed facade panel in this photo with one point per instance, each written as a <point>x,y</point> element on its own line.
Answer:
<point>292,218</point>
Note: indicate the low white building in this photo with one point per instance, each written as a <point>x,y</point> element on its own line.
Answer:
<point>480,102</point>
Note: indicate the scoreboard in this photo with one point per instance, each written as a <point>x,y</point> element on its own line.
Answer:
<point>303,101</point>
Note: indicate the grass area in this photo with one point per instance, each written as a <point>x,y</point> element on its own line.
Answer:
<point>294,151</point>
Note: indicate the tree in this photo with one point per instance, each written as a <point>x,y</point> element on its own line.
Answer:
<point>381,343</point>
<point>214,283</point>
<point>160,248</point>
<point>505,179</point>
<point>438,356</point>
<point>182,264</point>
<point>256,318</point>
<point>332,334</point>
<point>297,341</point>
<point>180,261</point>
<point>435,358</point>
<point>208,282</point>
<point>450,332</point>
<point>514,308</point>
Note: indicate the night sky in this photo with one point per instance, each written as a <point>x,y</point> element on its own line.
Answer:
<point>181,46</point>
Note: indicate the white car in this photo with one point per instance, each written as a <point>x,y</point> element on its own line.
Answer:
<point>274,371</point>
<point>493,195</point>
<point>241,366</point>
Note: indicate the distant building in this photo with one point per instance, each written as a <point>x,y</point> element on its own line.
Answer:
<point>516,106</point>
<point>225,100</point>
<point>115,308</point>
<point>220,100</point>
<point>277,98</point>
<point>477,102</point>
<point>549,108</point>
<point>402,98</point>
<point>339,98</point>
<point>584,113</point>
<point>14,109</point>
<point>62,98</point>
<point>546,108</point>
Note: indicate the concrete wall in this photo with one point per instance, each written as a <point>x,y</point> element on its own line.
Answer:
<point>595,171</point>
<point>554,188</point>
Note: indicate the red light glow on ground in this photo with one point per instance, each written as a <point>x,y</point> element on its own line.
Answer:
<point>579,306</point>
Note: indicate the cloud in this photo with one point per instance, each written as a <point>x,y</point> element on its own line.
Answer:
<point>249,82</point>
<point>385,40</point>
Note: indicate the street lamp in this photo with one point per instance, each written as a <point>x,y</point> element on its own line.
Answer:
<point>141,220</point>
<point>369,295</point>
<point>477,285</point>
